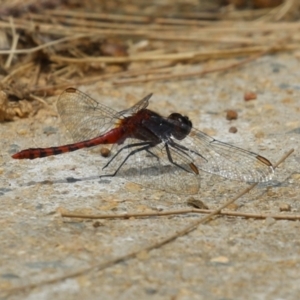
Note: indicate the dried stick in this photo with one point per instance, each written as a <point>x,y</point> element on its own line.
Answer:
<point>278,12</point>
<point>102,24</point>
<point>103,16</point>
<point>101,266</point>
<point>43,46</point>
<point>181,212</point>
<point>14,43</point>
<point>21,68</point>
<point>195,56</point>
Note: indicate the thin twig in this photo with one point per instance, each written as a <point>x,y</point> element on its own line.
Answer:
<point>99,23</point>
<point>284,9</point>
<point>14,44</point>
<point>39,99</point>
<point>36,75</point>
<point>101,266</point>
<point>181,212</point>
<point>278,12</point>
<point>195,56</point>
<point>14,72</point>
<point>46,45</point>
<point>97,15</point>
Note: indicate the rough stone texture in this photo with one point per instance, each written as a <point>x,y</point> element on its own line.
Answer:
<point>228,258</point>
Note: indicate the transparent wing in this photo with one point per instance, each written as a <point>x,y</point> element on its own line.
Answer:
<point>84,117</point>
<point>222,159</point>
<point>151,168</point>
<point>136,107</point>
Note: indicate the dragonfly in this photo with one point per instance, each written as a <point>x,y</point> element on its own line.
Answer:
<point>165,153</point>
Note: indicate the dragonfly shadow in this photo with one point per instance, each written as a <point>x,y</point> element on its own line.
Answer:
<point>66,180</point>
<point>175,179</point>
<point>133,172</point>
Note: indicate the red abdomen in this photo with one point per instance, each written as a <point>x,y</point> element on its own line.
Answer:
<point>111,137</point>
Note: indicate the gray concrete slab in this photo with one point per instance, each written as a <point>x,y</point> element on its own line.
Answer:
<point>228,258</point>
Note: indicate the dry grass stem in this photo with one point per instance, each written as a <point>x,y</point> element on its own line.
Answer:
<point>194,56</point>
<point>194,73</point>
<point>67,47</point>
<point>44,46</point>
<point>182,212</point>
<point>14,44</point>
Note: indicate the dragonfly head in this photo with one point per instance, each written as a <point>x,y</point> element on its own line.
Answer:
<point>183,125</point>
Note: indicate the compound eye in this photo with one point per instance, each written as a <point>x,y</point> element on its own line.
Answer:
<point>174,116</point>
<point>182,125</point>
<point>181,119</point>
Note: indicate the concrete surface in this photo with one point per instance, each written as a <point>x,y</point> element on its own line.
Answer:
<point>228,258</point>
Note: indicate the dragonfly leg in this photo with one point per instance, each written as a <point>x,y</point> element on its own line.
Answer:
<point>123,148</point>
<point>174,163</point>
<point>145,147</point>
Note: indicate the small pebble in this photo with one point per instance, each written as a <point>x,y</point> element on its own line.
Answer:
<point>231,114</point>
<point>196,203</point>
<point>249,96</point>
<point>105,152</point>
<point>259,134</point>
<point>97,224</point>
<point>233,129</point>
<point>220,260</point>
<point>284,207</point>
<point>22,132</point>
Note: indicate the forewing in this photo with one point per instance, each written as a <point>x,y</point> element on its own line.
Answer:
<point>225,160</point>
<point>136,107</point>
<point>84,117</point>
<point>152,168</point>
